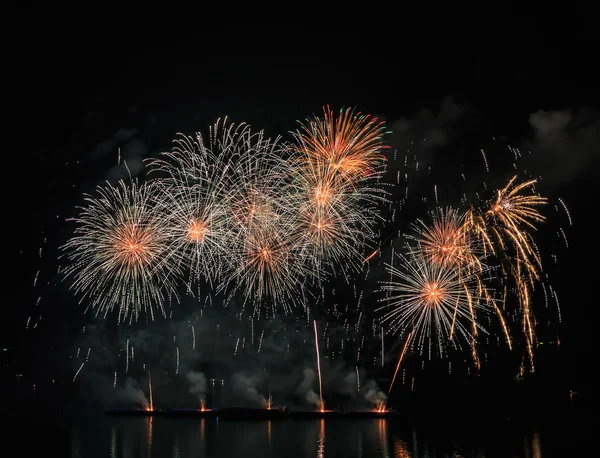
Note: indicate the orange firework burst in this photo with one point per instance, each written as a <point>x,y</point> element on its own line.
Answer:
<point>134,246</point>
<point>118,252</point>
<point>446,240</point>
<point>336,162</point>
<point>348,146</point>
<point>506,219</point>
<point>267,268</point>
<point>431,301</point>
<point>196,230</point>
<point>503,227</point>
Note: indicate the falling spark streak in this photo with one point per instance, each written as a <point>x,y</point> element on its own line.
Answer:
<point>399,361</point>
<point>487,168</point>
<point>319,367</point>
<point>78,370</point>
<point>260,340</point>
<point>562,232</point>
<point>371,255</point>
<point>127,357</point>
<point>193,338</point>
<point>382,347</point>
<point>177,367</point>
<point>566,211</point>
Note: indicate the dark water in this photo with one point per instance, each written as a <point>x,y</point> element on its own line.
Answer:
<point>549,435</point>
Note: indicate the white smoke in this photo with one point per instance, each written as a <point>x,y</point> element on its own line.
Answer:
<point>198,384</point>
<point>373,394</point>
<point>131,392</point>
<point>246,387</point>
<point>305,388</point>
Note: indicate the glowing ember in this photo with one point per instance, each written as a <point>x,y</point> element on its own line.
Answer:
<point>133,245</point>
<point>196,230</point>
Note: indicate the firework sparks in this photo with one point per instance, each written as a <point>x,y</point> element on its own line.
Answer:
<point>503,228</point>
<point>338,161</point>
<point>117,253</point>
<point>446,242</point>
<point>349,145</point>
<point>432,300</point>
<point>262,263</point>
<point>192,189</point>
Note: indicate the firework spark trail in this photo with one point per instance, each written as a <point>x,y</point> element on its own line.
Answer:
<point>78,370</point>
<point>322,406</point>
<point>117,253</point>
<point>487,168</point>
<point>382,352</point>
<point>150,390</point>
<point>564,206</point>
<point>400,361</point>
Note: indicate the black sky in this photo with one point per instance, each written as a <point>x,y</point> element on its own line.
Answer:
<point>82,86</point>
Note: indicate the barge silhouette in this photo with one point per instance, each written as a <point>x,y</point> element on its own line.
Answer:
<point>243,413</point>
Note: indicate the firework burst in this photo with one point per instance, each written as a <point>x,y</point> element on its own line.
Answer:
<point>117,253</point>
<point>338,162</point>
<point>261,261</point>
<point>191,190</point>
<point>503,226</point>
<point>348,146</point>
<point>434,302</point>
<point>504,222</point>
<point>446,241</point>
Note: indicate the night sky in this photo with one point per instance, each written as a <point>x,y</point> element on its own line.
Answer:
<point>86,91</point>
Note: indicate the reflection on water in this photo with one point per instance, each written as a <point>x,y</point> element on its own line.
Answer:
<point>321,447</point>
<point>321,438</point>
<point>149,442</point>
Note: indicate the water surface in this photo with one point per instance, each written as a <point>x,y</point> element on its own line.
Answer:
<point>96,436</point>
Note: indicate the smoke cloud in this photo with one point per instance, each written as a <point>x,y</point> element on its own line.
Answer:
<point>131,393</point>
<point>198,384</point>
<point>245,386</point>
<point>567,141</point>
